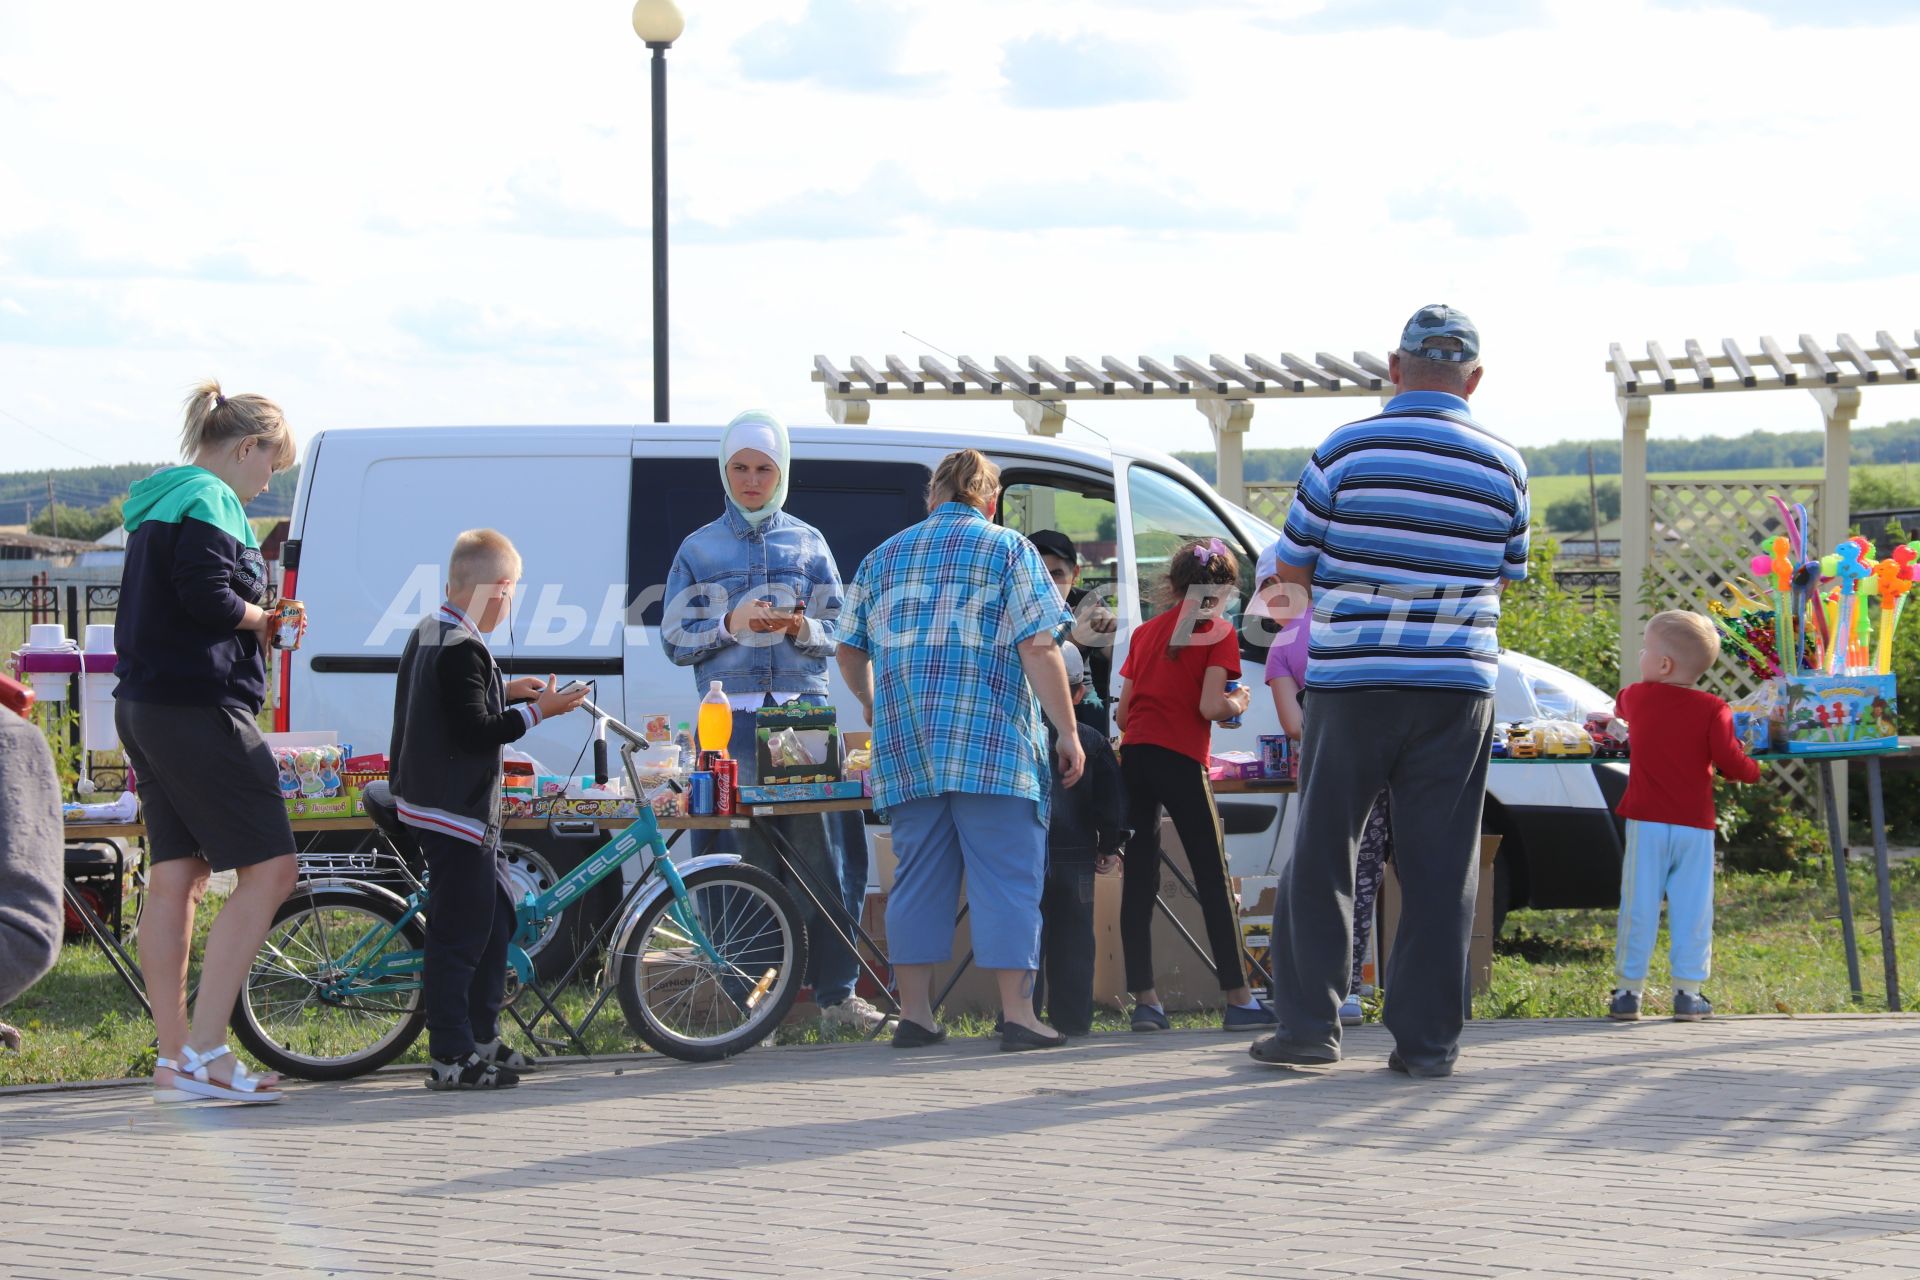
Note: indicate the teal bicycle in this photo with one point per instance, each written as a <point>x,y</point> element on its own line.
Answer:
<point>706,958</point>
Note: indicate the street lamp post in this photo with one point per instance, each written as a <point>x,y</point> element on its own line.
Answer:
<point>658,22</point>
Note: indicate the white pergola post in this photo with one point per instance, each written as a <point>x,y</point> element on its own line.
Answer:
<point>1229,420</point>
<point>1839,406</point>
<point>1636,524</point>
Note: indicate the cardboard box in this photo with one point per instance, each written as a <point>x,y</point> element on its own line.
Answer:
<point>1479,945</point>
<point>1825,714</point>
<point>796,743</point>
<point>308,809</point>
<point>793,792</point>
<point>1233,764</point>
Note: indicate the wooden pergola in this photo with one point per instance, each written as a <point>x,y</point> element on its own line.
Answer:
<point>1833,374</point>
<point>1222,389</point>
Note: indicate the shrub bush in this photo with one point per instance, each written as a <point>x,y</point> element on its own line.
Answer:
<point>1576,630</point>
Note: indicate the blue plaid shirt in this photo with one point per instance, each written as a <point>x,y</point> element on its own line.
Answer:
<point>941,608</point>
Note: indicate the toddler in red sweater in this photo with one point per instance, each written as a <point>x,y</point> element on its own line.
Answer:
<point>1680,735</point>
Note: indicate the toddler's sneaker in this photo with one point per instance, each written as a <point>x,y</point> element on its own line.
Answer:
<point>1147,1017</point>
<point>1258,1018</point>
<point>1351,1014</point>
<point>1691,1006</point>
<point>1624,1007</point>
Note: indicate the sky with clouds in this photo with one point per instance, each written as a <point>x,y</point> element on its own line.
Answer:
<point>386,214</point>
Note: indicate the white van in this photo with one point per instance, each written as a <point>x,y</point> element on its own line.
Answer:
<point>598,512</point>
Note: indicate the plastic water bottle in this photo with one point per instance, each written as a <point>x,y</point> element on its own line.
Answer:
<point>689,752</point>
<point>1234,723</point>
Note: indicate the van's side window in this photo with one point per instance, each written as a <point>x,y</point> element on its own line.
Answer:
<point>856,505</point>
<point>1167,514</point>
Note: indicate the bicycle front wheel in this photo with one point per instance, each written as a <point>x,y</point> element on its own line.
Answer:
<point>314,1006</point>
<point>688,1004</point>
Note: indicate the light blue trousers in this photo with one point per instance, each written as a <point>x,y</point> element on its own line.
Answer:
<point>1000,845</point>
<point>1675,863</point>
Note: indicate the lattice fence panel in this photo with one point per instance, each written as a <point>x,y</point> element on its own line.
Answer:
<point>1705,532</point>
<point>1270,502</point>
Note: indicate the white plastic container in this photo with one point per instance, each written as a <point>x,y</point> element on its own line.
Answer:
<point>97,683</point>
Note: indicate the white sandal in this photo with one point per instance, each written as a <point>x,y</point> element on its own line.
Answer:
<point>191,1076</point>
<point>172,1092</point>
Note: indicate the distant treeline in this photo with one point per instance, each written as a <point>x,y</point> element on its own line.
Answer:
<point>23,494</point>
<point>1894,442</point>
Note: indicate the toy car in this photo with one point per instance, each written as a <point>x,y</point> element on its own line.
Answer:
<point>1521,742</point>
<point>1609,734</point>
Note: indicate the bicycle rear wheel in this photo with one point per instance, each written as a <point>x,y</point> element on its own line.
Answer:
<point>685,1004</point>
<point>298,1015</point>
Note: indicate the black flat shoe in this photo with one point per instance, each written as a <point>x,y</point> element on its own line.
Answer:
<point>911,1035</point>
<point>1276,1052</point>
<point>1014,1038</point>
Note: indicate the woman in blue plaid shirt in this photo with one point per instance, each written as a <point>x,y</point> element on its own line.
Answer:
<point>951,628</point>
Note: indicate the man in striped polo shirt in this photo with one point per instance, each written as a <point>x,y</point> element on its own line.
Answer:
<point>1406,527</point>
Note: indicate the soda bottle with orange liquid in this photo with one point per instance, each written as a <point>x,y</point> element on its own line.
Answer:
<point>716,719</point>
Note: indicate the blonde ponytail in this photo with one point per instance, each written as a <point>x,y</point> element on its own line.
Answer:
<point>967,476</point>
<point>214,418</point>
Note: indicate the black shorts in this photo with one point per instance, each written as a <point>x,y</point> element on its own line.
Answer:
<point>207,782</point>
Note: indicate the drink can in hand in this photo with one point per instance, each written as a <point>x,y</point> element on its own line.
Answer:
<point>1233,686</point>
<point>287,617</point>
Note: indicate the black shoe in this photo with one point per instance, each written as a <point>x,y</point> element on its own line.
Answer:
<point>1396,1063</point>
<point>470,1072</point>
<point>1014,1038</point>
<point>911,1035</point>
<point>1276,1052</point>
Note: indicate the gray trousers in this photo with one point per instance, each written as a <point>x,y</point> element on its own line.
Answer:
<point>1429,749</point>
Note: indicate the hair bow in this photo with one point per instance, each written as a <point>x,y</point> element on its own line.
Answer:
<point>1208,550</point>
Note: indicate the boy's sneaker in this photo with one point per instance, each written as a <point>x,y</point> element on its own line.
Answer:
<point>1258,1018</point>
<point>1624,1007</point>
<point>1351,1014</point>
<point>1147,1017</point>
<point>470,1072</point>
<point>1691,1006</point>
<point>856,1013</point>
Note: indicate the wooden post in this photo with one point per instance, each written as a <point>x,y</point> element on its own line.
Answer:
<point>1636,523</point>
<point>849,413</point>
<point>1043,417</point>
<point>1593,505</point>
<point>1838,406</point>
<point>1229,420</point>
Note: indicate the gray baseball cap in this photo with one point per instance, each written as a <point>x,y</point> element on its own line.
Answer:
<point>1439,320</point>
<point>1076,665</point>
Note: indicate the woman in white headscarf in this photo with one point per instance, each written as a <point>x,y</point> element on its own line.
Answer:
<point>752,602</point>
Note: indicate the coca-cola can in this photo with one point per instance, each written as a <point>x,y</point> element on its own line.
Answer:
<point>726,785</point>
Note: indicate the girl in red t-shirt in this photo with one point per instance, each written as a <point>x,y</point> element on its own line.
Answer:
<point>1175,686</point>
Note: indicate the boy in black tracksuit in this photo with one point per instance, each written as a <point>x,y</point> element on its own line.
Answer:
<point>1088,826</point>
<point>452,716</point>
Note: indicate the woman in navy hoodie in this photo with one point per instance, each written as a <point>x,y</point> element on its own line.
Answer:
<point>195,616</point>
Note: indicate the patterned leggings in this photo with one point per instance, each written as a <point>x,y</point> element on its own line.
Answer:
<point>1376,848</point>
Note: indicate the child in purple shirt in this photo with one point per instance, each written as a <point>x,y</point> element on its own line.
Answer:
<point>1287,678</point>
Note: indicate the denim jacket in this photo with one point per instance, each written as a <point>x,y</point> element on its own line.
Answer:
<point>730,562</point>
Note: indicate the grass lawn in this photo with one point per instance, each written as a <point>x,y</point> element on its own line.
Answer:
<point>1777,950</point>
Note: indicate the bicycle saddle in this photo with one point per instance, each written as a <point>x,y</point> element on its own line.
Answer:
<point>378,797</point>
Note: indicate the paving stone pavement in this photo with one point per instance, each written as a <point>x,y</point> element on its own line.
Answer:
<point>1734,1148</point>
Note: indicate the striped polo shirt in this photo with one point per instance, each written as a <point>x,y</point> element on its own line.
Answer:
<point>1409,521</point>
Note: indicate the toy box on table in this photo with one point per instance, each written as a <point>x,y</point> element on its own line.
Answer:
<point>310,766</point>
<point>1811,714</point>
<point>796,756</point>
